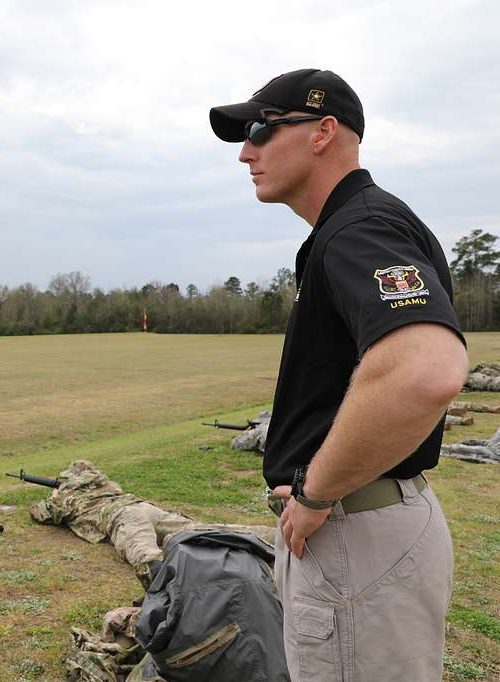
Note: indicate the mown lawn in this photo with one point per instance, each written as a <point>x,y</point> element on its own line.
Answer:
<point>133,404</point>
<point>62,390</point>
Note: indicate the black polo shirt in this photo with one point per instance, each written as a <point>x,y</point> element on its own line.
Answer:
<point>369,266</point>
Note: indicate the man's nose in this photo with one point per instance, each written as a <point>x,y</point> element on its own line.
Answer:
<point>247,153</point>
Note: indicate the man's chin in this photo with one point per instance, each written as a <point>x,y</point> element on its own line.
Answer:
<point>266,197</point>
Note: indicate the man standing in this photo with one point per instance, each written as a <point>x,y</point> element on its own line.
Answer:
<point>373,354</point>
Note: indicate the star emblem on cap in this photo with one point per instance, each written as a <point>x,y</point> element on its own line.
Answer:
<point>315,98</point>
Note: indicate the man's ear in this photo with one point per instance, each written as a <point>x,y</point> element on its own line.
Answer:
<point>324,134</point>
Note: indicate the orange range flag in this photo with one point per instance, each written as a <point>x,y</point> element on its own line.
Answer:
<point>144,320</point>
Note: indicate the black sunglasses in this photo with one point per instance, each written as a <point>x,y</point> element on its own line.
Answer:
<point>259,132</point>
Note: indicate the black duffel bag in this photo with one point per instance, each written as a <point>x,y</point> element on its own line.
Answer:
<point>212,613</point>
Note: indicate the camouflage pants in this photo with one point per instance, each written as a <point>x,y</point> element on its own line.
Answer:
<point>139,530</point>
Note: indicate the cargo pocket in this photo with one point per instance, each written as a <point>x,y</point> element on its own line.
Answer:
<point>195,653</point>
<point>317,640</point>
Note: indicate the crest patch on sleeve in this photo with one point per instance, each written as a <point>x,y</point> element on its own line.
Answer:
<point>400,281</point>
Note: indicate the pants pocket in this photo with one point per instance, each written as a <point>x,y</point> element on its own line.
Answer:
<point>317,640</point>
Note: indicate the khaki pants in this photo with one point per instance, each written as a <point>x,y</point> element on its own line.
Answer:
<point>367,601</point>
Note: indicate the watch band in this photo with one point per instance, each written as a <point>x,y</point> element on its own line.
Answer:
<point>314,504</point>
<point>299,479</point>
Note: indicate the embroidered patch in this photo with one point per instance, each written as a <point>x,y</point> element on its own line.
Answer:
<point>400,281</point>
<point>315,98</point>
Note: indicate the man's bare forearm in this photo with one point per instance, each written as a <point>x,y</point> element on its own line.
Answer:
<point>386,413</point>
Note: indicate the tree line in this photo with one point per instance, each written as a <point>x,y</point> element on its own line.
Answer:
<point>70,305</point>
<point>476,279</point>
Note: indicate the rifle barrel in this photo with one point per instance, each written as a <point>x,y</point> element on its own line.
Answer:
<point>233,427</point>
<point>38,480</point>
<point>224,425</point>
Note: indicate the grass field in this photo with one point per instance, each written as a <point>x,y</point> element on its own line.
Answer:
<point>134,404</point>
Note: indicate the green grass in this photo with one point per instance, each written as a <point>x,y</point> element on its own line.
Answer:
<point>29,670</point>
<point>477,620</point>
<point>165,465</point>
<point>31,605</point>
<point>63,390</point>
<point>463,671</point>
<point>483,347</point>
<point>19,576</point>
<point>133,404</point>
<point>88,613</point>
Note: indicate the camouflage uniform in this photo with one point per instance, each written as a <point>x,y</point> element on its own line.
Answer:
<point>86,501</point>
<point>485,451</point>
<point>97,509</point>
<point>254,439</point>
<point>113,656</point>
<point>456,420</point>
<point>482,407</point>
<point>484,377</point>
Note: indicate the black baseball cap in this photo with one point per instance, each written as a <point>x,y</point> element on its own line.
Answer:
<point>310,90</point>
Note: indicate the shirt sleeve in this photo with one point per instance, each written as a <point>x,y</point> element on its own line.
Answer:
<point>380,279</point>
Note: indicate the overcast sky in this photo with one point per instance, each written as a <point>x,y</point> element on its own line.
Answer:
<point>108,164</point>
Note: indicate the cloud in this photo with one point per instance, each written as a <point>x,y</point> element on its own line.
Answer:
<point>108,163</point>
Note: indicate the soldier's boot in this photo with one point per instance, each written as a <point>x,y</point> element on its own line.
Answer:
<point>147,571</point>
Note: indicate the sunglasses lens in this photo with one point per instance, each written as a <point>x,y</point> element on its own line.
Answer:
<point>258,133</point>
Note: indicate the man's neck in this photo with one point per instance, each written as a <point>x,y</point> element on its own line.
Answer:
<point>311,201</point>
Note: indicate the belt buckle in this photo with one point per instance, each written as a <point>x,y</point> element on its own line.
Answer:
<point>274,502</point>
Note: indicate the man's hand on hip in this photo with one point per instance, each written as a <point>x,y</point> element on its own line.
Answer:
<point>298,522</point>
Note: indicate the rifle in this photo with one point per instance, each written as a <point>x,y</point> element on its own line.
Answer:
<point>39,480</point>
<point>234,427</point>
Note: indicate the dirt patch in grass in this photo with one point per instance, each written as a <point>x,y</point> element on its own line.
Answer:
<point>470,656</point>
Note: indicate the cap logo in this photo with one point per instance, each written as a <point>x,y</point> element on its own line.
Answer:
<point>315,98</point>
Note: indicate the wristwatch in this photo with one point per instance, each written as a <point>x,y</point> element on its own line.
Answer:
<point>299,478</point>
